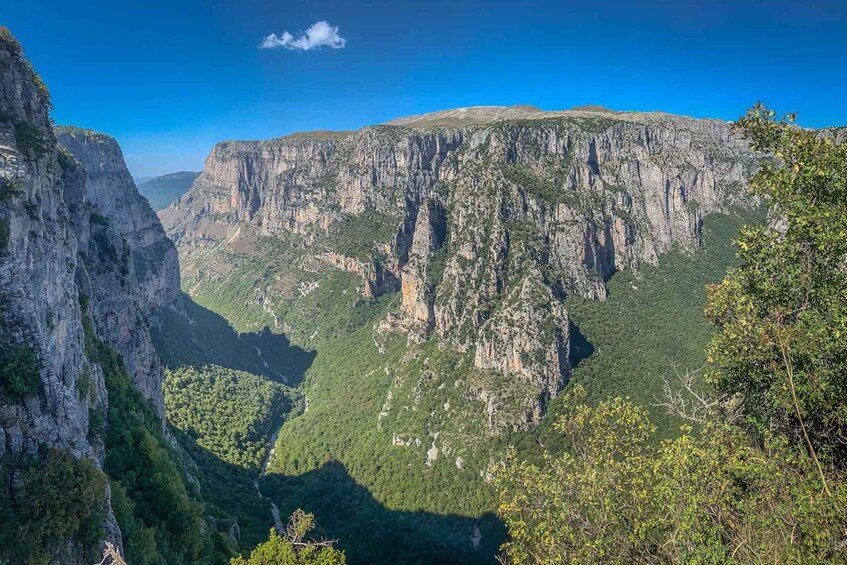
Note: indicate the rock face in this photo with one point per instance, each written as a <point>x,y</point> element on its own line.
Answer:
<point>494,215</point>
<point>123,301</point>
<point>111,189</point>
<point>527,339</point>
<point>416,286</point>
<point>72,230</point>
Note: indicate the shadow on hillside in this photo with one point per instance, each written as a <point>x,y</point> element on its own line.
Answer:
<point>189,334</point>
<point>581,348</point>
<point>369,532</point>
<point>228,494</point>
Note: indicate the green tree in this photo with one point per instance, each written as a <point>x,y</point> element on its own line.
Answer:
<point>781,316</point>
<point>47,502</point>
<point>292,548</point>
<point>19,371</point>
<point>617,495</point>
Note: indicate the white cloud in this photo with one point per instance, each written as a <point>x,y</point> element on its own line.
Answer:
<point>319,34</point>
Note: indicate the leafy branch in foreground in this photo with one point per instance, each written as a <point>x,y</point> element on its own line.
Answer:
<point>293,548</point>
<point>620,496</point>
<point>781,317</point>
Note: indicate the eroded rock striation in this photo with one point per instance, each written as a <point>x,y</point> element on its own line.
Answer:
<point>126,231</point>
<point>76,243</point>
<point>493,215</point>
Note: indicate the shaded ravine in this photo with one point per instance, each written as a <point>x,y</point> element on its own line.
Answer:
<point>274,509</point>
<point>262,359</point>
<point>266,463</point>
<point>271,449</point>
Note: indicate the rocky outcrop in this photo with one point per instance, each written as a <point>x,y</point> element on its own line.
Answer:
<point>837,134</point>
<point>110,188</point>
<point>527,339</point>
<point>69,249</point>
<point>416,284</point>
<point>379,275</point>
<point>124,231</point>
<point>485,210</point>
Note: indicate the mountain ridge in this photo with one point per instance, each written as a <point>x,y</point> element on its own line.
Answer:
<point>525,210</point>
<point>160,191</point>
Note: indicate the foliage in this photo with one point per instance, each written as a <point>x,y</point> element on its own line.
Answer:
<point>31,141</point>
<point>58,499</point>
<point>10,40</point>
<point>10,188</point>
<point>161,519</point>
<point>76,131</point>
<point>230,413</point>
<point>5,235</point>
<point>139,458</point>
<point>355,236</point>
<point>19,371</point>
<point>292,548</point>
<point>96,218</point>
<point>781,316</point>
<point>618,496</point>
<point>526,178</point>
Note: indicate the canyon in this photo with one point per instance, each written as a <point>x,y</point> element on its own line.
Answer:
<point>415,280</point>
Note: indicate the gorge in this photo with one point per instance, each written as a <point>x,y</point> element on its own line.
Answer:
<point>432,285</point>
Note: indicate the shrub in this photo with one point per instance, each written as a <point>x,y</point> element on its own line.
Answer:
<point>10,40</point>
<point>5,235</point>
<point>618,496</point>
<point>10,188</point>
<point>97,218</point>
<point>31,141</point>
<point>19,371</point>
<point>60,499</point>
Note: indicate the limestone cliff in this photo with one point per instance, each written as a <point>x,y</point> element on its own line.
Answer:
<point>75,241</point>
<point>111,189</point>
<point>491,216</point>
<point>129,232</point>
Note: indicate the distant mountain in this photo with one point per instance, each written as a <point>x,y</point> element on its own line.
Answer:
<point>161,191</point>
<point>141,180</point>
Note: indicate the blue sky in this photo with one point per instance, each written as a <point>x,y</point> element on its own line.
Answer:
<point>171,78</point>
